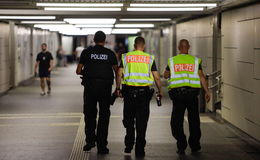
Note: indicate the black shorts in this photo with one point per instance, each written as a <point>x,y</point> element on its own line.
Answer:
<point>44,74</point>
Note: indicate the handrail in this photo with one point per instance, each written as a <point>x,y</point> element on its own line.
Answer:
<point>213,73</point>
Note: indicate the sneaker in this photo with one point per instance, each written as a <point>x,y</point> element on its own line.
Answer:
<point>88,147</point>
<point>180,152</point>
<point>127,151</point>
<point>43,94</point>
<point>104,150</point>
<point>49,92</point>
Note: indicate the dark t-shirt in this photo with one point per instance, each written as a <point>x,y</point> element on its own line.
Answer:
<point>154,68</point>
<point>44,58</point>
<point>98,62</point>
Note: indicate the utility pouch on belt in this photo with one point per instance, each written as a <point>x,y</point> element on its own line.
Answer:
<point>83,81</point>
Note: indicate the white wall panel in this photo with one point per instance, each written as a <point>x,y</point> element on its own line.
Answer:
<point>4,58</point>
<point>257,33</point>
<point>246,34</point>
<point>257,64</point>
<point>67,42</point>
<point>167,42</point>
<point>237,73</point>
<point>241,68</point>
<point>23,58</point>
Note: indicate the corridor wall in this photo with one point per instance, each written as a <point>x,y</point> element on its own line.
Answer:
<point>5,68</point>
<point>152,40</point>
<point>241,68</point>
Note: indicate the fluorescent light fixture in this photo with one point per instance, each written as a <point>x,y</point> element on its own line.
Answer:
<point>125,31</point>
<point>145,19</point>
<point>164,9</point>
<point>94,25</point>
<point>81,9</point>
<point>173,5</point>
<point>80,4</point>
<point>56,27</point>
<point>27,17</point>
<point>43,22</point>
<point>90,20</point>
<point>94,30</point>
<point>134,25</point>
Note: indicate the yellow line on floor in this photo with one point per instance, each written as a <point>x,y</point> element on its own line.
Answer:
<point>43,114</point>
<point>40,124</point>
<point>38,117</point>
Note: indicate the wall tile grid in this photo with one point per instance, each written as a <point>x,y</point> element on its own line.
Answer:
<point>4,58</point>
<point>241,68</point>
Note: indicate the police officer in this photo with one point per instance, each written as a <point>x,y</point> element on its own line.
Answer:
<point>185,77</point>
<point>97,65</point>
<point>139,72</point>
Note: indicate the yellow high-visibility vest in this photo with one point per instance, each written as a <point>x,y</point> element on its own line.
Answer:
<point>137,68</point>
<point>184,71</point>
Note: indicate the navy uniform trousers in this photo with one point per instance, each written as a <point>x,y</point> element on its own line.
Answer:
<point>136,115</point>
<point>182,99</point>
<point>97,91</point>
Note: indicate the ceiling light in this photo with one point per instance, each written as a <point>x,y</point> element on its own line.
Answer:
<point>81,9</point>
<point>80,4</point>
<point>164,9</point>
<point>125,31</point>
<point>94,30</point>
<point>173,5</point>
<point>90,20</point>
<point>146,19</point>
<point>42,22</point>
<point>27,17</point>
<point>134,25</point>
<point>95,26</point>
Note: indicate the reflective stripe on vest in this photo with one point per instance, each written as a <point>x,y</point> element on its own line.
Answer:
<point>131,75</point>
<point>190,78</point>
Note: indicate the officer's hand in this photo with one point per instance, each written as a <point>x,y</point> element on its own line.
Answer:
<point>207,97</point>
<point>160,94</point>
<point>49,69</point>
<point>118,93</point>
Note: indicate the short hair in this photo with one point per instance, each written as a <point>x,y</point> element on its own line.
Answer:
<point>44,44</point>
<point>184,41</point>
<point>100,36</point>
<point>139,41</point>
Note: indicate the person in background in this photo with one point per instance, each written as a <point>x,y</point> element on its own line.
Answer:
<point>185,78</point>
<point>120,49</point>
<point>44,61</point>
<point>79,50</point>
<point>60,56</point>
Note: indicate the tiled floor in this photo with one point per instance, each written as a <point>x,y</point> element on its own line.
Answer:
<point>51,128</point>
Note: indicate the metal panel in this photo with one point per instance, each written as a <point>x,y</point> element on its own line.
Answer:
<point>4,58</point>
<point>23,58</point>
<point>246,34</point>
<point>257,64</point>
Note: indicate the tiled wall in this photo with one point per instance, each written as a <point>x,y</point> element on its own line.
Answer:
<point>241,68</point>
<point>4,58</point>
<point>159,42</point>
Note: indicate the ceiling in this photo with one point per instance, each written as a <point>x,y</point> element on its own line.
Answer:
<point>30,8</point>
